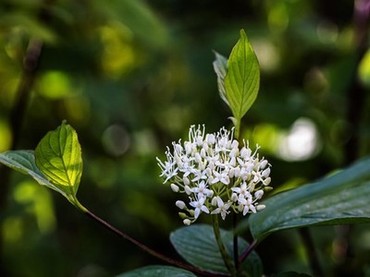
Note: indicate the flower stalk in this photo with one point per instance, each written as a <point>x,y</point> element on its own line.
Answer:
<point>225,256</point>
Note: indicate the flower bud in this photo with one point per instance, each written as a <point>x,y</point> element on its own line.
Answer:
<point>214,201</point>
<point>245,152</point>
<point>187,190</point>
<point>186,180</point>
<point>175,188</point>
<point>268,188</point>
<point>180,204</point>
<point>263,164</point>
<point>258,194</point>
<point>234,197</point>
<point>260,207</point>
<point>187,221</point>
<point>266,172</point>
<point>267,181</point>
<point>183,215</point>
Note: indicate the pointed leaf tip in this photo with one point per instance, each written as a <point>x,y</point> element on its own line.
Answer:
<point>58,156</point>
<point>242,78</point>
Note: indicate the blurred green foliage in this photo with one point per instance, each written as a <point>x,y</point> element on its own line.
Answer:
<point>131,76</point>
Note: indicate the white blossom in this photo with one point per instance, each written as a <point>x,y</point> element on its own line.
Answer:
<point>217,173</point>
<point>222,208</point>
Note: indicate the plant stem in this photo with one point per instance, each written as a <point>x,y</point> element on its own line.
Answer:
<point>237,128</point>
<point>311,252</point>
<point>235,242</point>
<point>146,248</point>
<point>235,216</point>
<point>227,259</point>
<point>247,251</point>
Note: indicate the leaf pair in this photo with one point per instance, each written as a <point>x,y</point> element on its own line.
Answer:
<point>55,163</point>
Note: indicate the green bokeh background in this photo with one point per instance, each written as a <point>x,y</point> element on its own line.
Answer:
<point>131,76</point>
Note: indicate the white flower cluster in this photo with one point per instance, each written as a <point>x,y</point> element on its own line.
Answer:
<point>216,174</point>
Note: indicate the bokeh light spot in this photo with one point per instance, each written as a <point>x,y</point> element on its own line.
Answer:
<point>116,140</point>
<point>301,142</point>
<point>54,85</point>
<point>39,204</point>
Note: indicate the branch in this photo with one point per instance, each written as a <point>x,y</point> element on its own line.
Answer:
<point>149,250</point>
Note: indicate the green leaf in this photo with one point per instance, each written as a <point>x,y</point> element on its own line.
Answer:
<point>220,67</point>
<point>23,161</point>
<point>242,78</point>
<point>338,199</point>
<point>58,156</point>
<point>197,245</point>
<point>158,271</point>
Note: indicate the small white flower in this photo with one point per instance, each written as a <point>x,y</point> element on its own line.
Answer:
<point>202,191</point>
<point>223,208</point>
<point>222,177</point>
<point>199,207</point>
<point>168,169</point>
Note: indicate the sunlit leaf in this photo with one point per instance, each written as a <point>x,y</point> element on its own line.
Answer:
<point>158,271</point>
<point>197,245</point>
<point>58,156</point>
<point>23,161</point>
<point>242,78</point>
<point>338,199</point>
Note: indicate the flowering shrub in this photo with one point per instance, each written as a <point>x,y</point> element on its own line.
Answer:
<point>216,173</point>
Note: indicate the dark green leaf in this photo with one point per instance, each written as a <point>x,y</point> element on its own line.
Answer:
<point>197,245</point>
<point>338,199</point>
<point>58,156</point>
<point>242,78</point>
<point>158,271</point>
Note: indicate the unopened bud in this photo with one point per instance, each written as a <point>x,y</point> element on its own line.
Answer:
<point>266,172</point>
<point>267,181</point>
<point>258,194</point>
<point>175,188</point>
<point>268,188</point>
<point>180,204</point>
<point>187,190</point>
<point>183,215</point>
